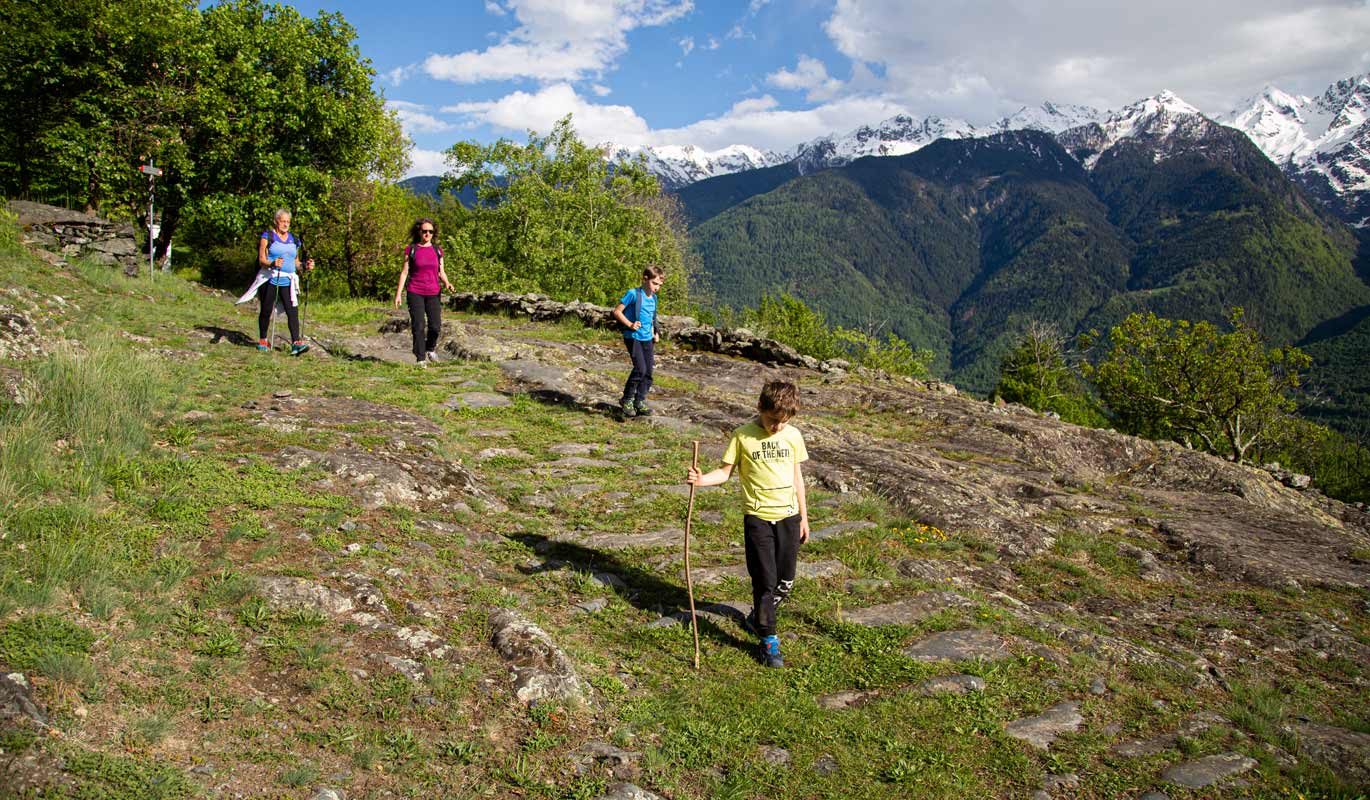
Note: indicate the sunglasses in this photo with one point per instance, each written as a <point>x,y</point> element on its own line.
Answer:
<point>425,230</point>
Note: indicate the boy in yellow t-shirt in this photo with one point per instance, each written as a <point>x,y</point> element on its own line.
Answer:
<point>767,453</point>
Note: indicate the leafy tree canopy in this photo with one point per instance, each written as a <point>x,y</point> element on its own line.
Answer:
<point>553,216</point>
<point>1224,392</point>
<point>245,106</point>
<point>1038,373</point>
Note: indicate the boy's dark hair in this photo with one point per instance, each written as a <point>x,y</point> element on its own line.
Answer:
<point>653,271</point>
<point>779,397</point>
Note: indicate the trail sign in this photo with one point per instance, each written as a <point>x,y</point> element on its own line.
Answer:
<point>148,169</point>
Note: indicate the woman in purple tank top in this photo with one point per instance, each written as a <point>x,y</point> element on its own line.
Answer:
<point>419,283</point>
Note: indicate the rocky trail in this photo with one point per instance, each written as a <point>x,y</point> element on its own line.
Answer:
<point>502,565</point>
<point>1015,479</point>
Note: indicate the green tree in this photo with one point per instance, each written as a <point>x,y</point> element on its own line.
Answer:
<point>281,106</point>
<point>89,89</point>
<point>1038,374</point>
<point>554,216</point>
<point>1224,392</point>
<point>789,320</point>
<point>892,354</point>
<point>359,239</point>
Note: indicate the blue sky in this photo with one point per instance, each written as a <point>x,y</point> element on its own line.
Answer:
<point>773,73</point>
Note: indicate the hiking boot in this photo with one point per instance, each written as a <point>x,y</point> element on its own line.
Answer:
<point>422,363</point>
<point>770,652</point>
<point>643,410</point>
<point>298,347</point>
<point>430,357</point>
<point>263,345</point>
<point>626,408</point>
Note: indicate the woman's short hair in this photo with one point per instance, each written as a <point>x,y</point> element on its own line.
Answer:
<point>280,212</point>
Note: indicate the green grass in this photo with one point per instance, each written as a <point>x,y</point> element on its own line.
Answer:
<point>127,570</point>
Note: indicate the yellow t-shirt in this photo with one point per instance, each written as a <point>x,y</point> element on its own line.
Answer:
<point>765,465</point>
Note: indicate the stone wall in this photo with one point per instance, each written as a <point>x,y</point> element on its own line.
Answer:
<point>685,331</point>
<point>73,234</point>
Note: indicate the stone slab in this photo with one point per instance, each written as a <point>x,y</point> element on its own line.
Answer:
<point>1041,730</point>
<point>909,611</point>
<point>962,645</point>
<point>1208,770</point>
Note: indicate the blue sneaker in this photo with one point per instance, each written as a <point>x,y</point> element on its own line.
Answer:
<point>770,652</point>
<point>298,348</point>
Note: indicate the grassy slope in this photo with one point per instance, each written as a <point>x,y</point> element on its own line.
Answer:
<point>150,550</point>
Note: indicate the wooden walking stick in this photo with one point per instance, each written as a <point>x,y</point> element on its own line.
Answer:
<point>689,581</point>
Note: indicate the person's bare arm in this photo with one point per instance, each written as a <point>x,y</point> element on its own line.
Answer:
<point>262,258</point>
<point>623,320</point>
<point>404,275</point>
<point>711,478</point>
<point>803,503</point>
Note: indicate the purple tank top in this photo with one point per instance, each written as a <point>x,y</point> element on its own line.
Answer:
<point>423,270</point>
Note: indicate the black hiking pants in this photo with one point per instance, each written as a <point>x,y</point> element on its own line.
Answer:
<point>423,306</point>
<point>772,553</point>
<point>269,293</point>
<point>639,382</point>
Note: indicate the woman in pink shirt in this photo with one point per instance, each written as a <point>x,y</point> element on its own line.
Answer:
<point>419,283</point>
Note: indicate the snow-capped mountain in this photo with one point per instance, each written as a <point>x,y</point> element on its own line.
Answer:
<point>1049,117</point>
<point>681,165</point>
<point>1164,121</point>
<point>1323,142</point>
<point>895,136</point>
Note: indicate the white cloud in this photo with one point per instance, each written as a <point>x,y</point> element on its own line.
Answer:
<point>539,111</point>
<point>712,43</point>
<point>756,5</point>
<point>601,90</point>
<point>757,121</point>
<point>686,45</point>
<point>761,122</point>
<point>982,58</point>
<point>491,7</point>
<point>399,75</point>
<point>414,118</point>
<point>558,40</point>
<point>810,75</point>
<point>426,162</point>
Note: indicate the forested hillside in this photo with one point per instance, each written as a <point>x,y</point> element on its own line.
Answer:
<point>957,246</point>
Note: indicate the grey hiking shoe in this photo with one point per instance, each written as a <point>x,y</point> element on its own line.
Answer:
<point>626,408</point>
<point>643,410</point>
<point>770,652</point>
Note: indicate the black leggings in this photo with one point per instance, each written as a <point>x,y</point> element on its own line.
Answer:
<point>269,293</point>
<point>425,336</point>
<point>772,557</point>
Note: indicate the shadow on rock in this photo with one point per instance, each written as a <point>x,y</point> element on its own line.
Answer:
<point>640,588</point>
<point>218,334</point>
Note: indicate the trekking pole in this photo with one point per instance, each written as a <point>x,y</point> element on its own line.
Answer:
<point>271,329</point>
<point>304,302</point>
<point>689,581</point>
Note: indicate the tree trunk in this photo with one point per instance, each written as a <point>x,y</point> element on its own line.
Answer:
<point>171,219</point>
